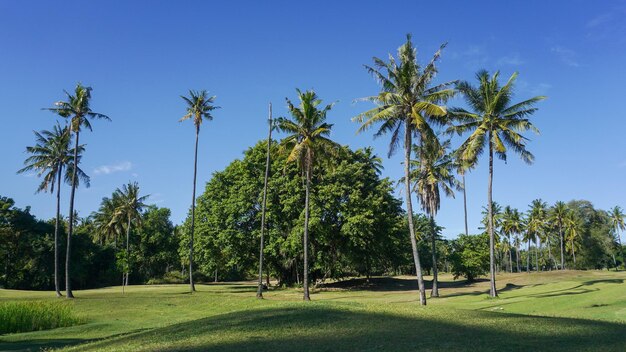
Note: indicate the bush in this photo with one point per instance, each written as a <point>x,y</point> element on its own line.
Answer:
<point>33,316</point>
<point>470,256</point>
<point>170,277</point>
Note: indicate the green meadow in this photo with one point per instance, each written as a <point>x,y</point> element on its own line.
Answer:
<point>549,311</point>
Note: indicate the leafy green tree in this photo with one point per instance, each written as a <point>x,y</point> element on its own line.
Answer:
<point>407,102</point>
<point>470,256</point>
<point>557,215</point>
<point>307,142</point>
<point>78,110</point>
<point>199,108</point>
<point>496,123</point>
<point>48,158</point>
<point>433,174</point>
<point>156,245</point>
<point>129,207</point>
<point>617,224</point>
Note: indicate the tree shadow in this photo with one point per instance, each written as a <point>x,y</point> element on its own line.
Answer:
<point>392,284</point>
<point>49,344</point>
<point>324,327</point>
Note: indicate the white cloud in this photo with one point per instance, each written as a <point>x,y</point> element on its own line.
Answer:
<point>109,169</point>
<point>567,56</point>
<point>511,60</point>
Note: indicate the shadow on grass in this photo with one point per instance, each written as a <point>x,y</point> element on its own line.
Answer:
<point>323,327</point>
<point>393,284</point>
<point>50,344</point>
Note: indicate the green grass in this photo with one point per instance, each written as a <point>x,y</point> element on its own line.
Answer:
<point>35,315</point>
<point>570,311</point>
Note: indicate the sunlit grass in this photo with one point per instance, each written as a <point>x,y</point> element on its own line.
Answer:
<point>23,316</point>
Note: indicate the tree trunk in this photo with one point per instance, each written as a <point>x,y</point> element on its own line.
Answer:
<point>70,230</point>
<point>528,257</point>
<point>573,252</point>
<point>536,256</point>
<point>562,245</point>
<point>435,290</point>
<point>192,287</point>
<point>619,240</point>
<point>57,223</point>
<point>492,273</point>
<point>517,256</point>
<point>409,209</point>
<point>465,203</point>
<point>510,255</point>
<point>259,291</point>
<point>127,250</point>
<point>305,275</point>
<point>550,257</point>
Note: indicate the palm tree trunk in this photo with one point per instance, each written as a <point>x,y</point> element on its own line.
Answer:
<point>492,273</point>
<point>528,257</point>
<point>127,251</point>
<point>465,204</point>
<point>573,252</point>
<point>517,255</point>
<point>536,257</point>
<point>305,275</point>
<point>409,209</point>
<point>435,290</point>
<point>56,233</point>
<point>619,240</point>
<point>562,245</point>
<point>259,291</point>
<point>192,287</point>
<point>70,230</point>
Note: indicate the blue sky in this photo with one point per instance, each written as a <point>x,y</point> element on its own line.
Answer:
<point>140,56</point>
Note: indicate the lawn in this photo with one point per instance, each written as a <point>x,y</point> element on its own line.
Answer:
<point>552,311</point>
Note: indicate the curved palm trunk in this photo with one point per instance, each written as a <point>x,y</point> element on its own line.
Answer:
<point>435,290</point>
<point>56,234</point>
<point>492,269</point>
<point>192,287</point>
<point>70,230</point>
<point>305,276</point>
<point>562,245</point>
<point>409,209</point>
<point>259,291</point>
<point>465,204</point>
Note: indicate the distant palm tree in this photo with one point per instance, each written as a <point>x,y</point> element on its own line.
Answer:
<point>618,224</point>
<point>107,229</point>
<point>199,108</point>
<point>259,291</point>
<point>497,124</point>
<point>573,231</point>
<point>408,102</point>
<point>129,208</point>
<point>77,109</point>
<point>557,216</point>
<point>48,157</point>
<point>433,172</point>
<point>307,143</point>
<point>537,222</point>
<point>512,225</point>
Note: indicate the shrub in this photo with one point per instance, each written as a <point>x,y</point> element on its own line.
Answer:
<point>35,315</point>
<point>470,256</point>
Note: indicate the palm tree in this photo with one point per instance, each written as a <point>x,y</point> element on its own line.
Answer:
<point>557,216</point>
<point>537,225</point>
<point>77,109</point>
<point>129,208</point>
<point>307,143</point>
<point>573,230</point>
<point>199,108</point>
<point>48,157</point>
<point>259,292</point>
<point>432,173</point>
<point>496,123</point>
<point>407,102</point>
<point>529,236</point>
<point>107,228</point>
<point>618,224</point>
<point>512,225</point>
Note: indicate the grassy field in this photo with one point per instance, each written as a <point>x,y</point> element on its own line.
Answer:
<point>569,311</point>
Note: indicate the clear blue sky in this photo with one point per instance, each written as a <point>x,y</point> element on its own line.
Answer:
<point>140,56</point>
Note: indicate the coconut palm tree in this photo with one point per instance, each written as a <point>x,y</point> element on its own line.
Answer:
<point>512,225</point>
<point>409,103</point>
<point>78,110</point>
<point>52,159</point>
<point>537,219</point>
<point>433,173</point>
<point>259,292</point>
<point>104,220</point>
<point>129,208</point>
<point>496,123</point>
<point>616,215</point>
<point>573,230</point>
<point>557,216</point>
<point>307,143</point>
<point>199,108</point>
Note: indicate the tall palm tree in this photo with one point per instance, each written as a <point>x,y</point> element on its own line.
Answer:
<point>409,103</point>
<point>573,230</point>
<point>537,216</point>
<point>129,208</point>
<point>107,229</point>
<point>78,110</point>
<point>618,224</point>
<point>259,292</point>
<point>199,108</point>
<point>433,172</point>
<point>557,216</point>
<point>50,157</point>
<point>512,225</point>
<point>496,123</point>
<point>307,143</point>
